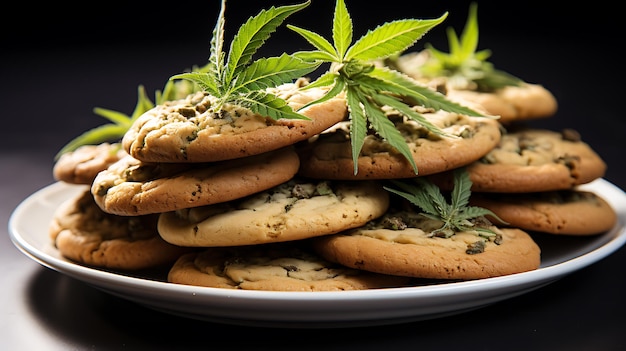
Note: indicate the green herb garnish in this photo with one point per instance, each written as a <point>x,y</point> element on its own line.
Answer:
<point>110,131</point>
<point>236,79</point>
<point>370,91</point>
<point>456,216</point>
<point>465,67</point>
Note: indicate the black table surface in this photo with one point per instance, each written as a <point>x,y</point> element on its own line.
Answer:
<point>56,70</point>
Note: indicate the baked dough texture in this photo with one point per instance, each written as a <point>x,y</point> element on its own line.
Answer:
<point>131,187</point>
<point>273,268</point>
<point>412,252</point>
<point>188,130</point>
<point>567,212</point>
<point>82,165</point>
<point>522,102</point>
<point>277,215</point>
<point>330,155</point>
<point>83,233</point>
<point>533,160</point>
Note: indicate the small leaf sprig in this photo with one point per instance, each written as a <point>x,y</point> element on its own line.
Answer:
<point>120,122</point>
<point>464,66</point>
<point>237,79</point>
<point>369,89</point>
<point>457,215</point>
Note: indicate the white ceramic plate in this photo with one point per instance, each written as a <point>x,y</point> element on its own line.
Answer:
<point>28,227</point>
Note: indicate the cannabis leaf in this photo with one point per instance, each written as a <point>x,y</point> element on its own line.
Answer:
<point>236,79</point>
<point>464,65</point>
<point>369,89</point>
<point>457,215</point>
<point>110,131</point>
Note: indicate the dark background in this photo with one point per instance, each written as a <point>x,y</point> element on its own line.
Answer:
<point>58,62</point>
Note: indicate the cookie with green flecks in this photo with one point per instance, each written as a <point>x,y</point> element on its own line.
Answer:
<point>297,209</point>
<point>188,130</point>
<point>532,160</point>
<point>83,233</point>
<point>273,267</point>
<point>82,165</point>
<point>131,187</point>
<point>567,212</point>
<point>466,139</point>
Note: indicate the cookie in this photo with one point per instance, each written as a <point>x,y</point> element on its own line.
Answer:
<point>413,251</point>
<point>568,212</point>
<point>272,267</point>
<point>83,233</point>
<point>521,102</point>
<point>188,131</point>
<point>297,209</point>
<point>329,156</point>
<point>83,164</point>
<point>130,187</point>
<point>512,103</point>
<point>533,160</point>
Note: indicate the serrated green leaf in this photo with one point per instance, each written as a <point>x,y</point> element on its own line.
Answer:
<point>385,128</point>
<point>325,80</point>
<point>463,64</point>
<point>216,58</point>
<point>324,47</point>
<point>98,135</point>
<point>271,72</point>
<point>204,81</point>
<point>390,38</point>
<point>253,34</point>
<point>113,116</point>
<point>469,44</point>
<point>403,85</point>
<point>455,216</point>
<point>342,28</point>
<point>462,188</point>
<point>414,195</point>
<point>336,89</point>
<point>358,124</point>
<point>403,109</point>
<point>266,104</point>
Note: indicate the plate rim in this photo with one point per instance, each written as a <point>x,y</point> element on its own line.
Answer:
<point>160,292</point>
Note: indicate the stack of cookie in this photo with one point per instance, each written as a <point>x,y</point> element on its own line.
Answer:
<point>242,201</point>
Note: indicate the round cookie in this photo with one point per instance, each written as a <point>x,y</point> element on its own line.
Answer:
<point>511,103</point>
<point>415,252</point>
<point>188,131</point>
<point>297,209</point>
<point>525,101</point>
<point>533,160</point>
<point>273,267</point>
<point>130,187</point>
<point>329,156</point>
<point>83,164</point>
<point>569,212</point>
<point>83,233</point>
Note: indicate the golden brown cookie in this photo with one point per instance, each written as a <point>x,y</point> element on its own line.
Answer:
<point>413,252</point>
<point>329,156</point>
<point>272,267</point>
<point>569,212</point>
<point>83,164</point>
<point>512,103</point>
<point>131,187</point>
<point>83,233</point>
<point>525,101</point>
<point>532,160</point>
<point>294,210</point>
<point>188,131</point>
